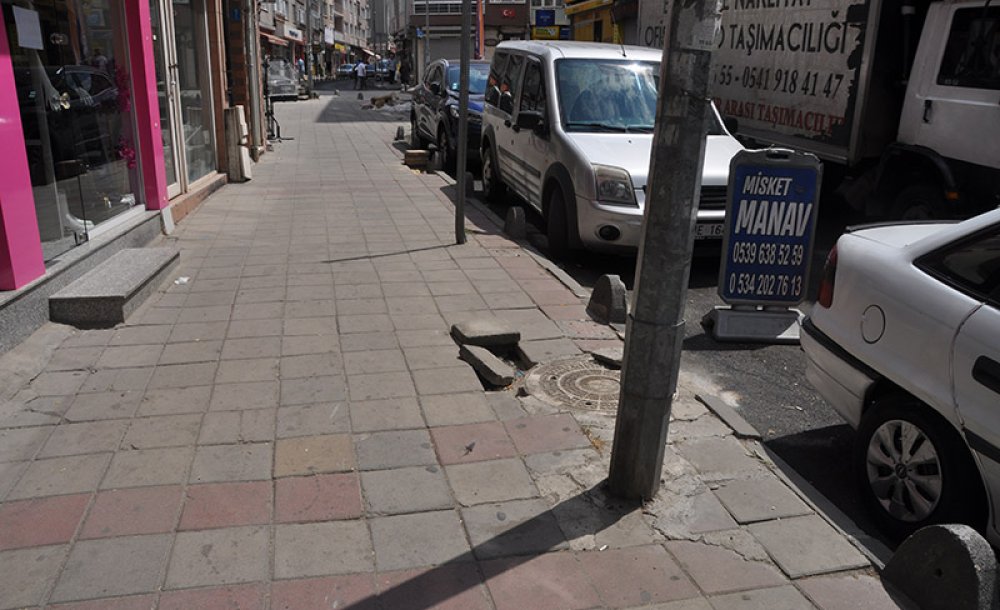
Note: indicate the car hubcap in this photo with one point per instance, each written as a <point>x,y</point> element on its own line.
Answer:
<point>904,471</point>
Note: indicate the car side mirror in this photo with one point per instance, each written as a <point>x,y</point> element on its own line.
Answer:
<point>533,120</point>
<point>506,102</point>
<point>732,125</point>
<point>492,95</point>
<point>436,88</point>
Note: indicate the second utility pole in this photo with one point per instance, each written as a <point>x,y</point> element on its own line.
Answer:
<point>655,330</point>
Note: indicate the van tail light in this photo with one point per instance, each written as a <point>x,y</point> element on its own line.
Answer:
<point>829,276</point>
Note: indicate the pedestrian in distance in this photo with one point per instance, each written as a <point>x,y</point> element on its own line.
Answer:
<point>360,73</point>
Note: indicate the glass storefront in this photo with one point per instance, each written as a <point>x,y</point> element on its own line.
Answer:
<point>71,71</point>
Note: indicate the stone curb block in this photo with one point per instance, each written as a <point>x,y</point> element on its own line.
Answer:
<point>493,369</point>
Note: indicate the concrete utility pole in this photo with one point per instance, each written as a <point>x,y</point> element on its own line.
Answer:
<point>655,330</point>
<point>463,119</point>
<point>309,47</point>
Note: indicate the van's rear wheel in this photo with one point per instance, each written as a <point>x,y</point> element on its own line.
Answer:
<point>416,142</point>
<point>921,201</point>
<point>557,224</point>
<point>493,189</point>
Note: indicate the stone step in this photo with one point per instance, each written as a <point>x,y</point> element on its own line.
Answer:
<point>110,292</point>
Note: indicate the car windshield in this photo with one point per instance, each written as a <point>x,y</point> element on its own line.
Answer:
<point>478,73</point>
<point>279,69</point>
<point>611,95</point>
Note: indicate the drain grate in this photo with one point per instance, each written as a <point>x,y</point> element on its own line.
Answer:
<point>580,383</point>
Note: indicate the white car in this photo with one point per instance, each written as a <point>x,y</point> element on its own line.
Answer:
<point>904,342</point>
<point>568,126</point>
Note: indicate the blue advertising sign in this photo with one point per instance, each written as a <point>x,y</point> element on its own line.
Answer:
<point>771,212</point>
<point>545,17</point>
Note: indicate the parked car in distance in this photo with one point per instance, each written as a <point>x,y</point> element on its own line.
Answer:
<point>904,342</point>
<point>345,70</point>
<point>435,112</point>
<point>282,80</point>
<point>568,126</point>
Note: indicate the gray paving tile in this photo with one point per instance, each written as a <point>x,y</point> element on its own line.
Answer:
<point>117,380</point>
<point>58,383</point>
<point>164,431</point>
<point>129,356</point>
<point>432,357</point>
<point>242,396</point>
<point>519,527</point>
<point>113,566</point>
<point>420,539</point>
<point>720,458</point>
<point>253,347</point>
<point>380,385</point>
<point>751,500</point>
<point>319,549</point>
<point>490,481</point>
<point>26,575</point>
<point>389,414</point>
<point>58,476</point>
<point>805,546</point>
<point>450,380</point>
<point>308,420</point>
<point>245,462</point>
<point>374,361</point>
<point>103,405</point>
<point>190,353</point>
<point>454,409</point>
<point>394,449</point>
<point>311,390</point>
<point>22,444</point>
<point>183,375</point>
<point>406,490</point>
<point>297,346</point>
<point>247,371</point>
<point>148,467</point>
<point>233,427</point>
<point>175,401</point>
<point>368,341</point>
<point>90,437</point>
<point>219,557</point>
<point>311,365</point>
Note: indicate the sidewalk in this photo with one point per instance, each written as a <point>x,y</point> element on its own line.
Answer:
<point>286,424</point>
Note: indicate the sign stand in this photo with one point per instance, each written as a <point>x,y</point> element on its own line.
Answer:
<point>771,211</point>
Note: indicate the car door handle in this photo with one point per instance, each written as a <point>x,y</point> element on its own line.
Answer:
<point>928,105</point>
<point>506,122</point>
<point>987,372</point>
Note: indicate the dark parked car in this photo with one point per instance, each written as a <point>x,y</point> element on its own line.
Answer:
<point>434,117</point>
<point>345,70</point>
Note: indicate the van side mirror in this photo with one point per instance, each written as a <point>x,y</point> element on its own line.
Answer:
<point>506,102</point>
<point>531,119</point>
<point>732,125</point>
<point>493,95</point>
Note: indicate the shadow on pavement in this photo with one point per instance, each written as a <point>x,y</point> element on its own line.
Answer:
<point>590,511</point>
<point>346,108</point>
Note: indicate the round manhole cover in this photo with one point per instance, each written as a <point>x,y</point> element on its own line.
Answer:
<point>577,384</point>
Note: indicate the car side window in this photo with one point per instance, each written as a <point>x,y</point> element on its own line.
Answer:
<point>972,55</point>
<point>971,265</point>
<point>497,67</point>
<point>509,82</point>
<point>533,89</point>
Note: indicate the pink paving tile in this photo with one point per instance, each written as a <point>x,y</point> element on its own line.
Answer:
<point>848,591</point>
<point>140,510</point>
<point>447,587</point>
<point>354,590</point>
<point>472,443</point>
<point>239,597</point>
<point>317,498</point>
<point>553,580</point>
<point>133,602</point>
<point>544,433</point>
<point>636,576</point>
<point>41,521</point>
<point>719,570</point>
<point>226,505</point>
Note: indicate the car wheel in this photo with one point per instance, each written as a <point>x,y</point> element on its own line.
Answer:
<point>914,470</point>
<point>920,201</point>
<point>493,188</point>
<point>444,149</point>
<point>557,224</point>
<point>415,140</point>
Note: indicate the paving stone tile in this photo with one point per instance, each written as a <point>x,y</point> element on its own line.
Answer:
<point>394,449</point>
<point>346,591</point>
<point>365,323</point>
<point>424,338</point>
<point>129,356</point>
<point>411,305</point>
<point>250,348</point>
<point>187,353</point>
<point>65,475</point>
<point>156,315</point>
<point>242,396</point>
<point>492,481</point>
<point>544,433</point>
<point>505,406</point>
<point>127,512</point>
<point>319,549</point>
<point>719,570</point>
<point>805,546</point>
<point>313,390</point>
<point>245,462</point>
<point>550,580</point>
<point>22,444</point>
<point>362,306</point>
<point>97,337</point>
<point>846,591</point>
<point>74,358</point>
<point>217,505</point>
<point>117,380</point>
<point>297,346</point>
<point>131,602</point>
<point>447,587</point>
<point>751,500</point>
<point>406,289</point>
<point>406,490</point>
<point>420,539</point>
<point>432,357</point>
<point>112,566</point>
<point>311,365</point>
<point>374,361</point>
<point>247,371</point>
<point>148,467</point>
<point>380,385</point>
<point>546,350</point>
<point>517,527</point>
<point>244,329</point>
<point>58,383</point>
<point>774,598</point>
<point>40,522</point>
<point>636,576</point>
<point>472,443</point>
<point>450,380</point>
<point>310,420</point>
<point>175,401</point>
<point>230,427</point>
<point>389,414</point>
<point>368,341</point>
<point>33,412</point>
<point>258,311</point>
<point>427,321</point>
<point>183,375</point>
<point>103,405</point>
<point>26,575</point>
<point>198,331</point>
<point>313,454</point>
<point>321,497</point>
<point>720,458</point>
<point>455,409</point>
<point>235,597</point>
<point>219,557</point>
<point>310,326</point>
<point>165,431</point>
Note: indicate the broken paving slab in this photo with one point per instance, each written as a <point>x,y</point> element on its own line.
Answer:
<point>485,332</point>
<point>610,356</point>
<point>805,546</point>
<point>492,369</point>
<point>546,350</point>
<point>752,500</point>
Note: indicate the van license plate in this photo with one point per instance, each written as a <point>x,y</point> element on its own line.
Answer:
<point>708,231</point>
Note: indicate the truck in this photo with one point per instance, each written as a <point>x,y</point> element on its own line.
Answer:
<point>899,98</point>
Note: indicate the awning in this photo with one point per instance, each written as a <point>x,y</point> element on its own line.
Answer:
<point>367,52</point>
<point>587,5</point>
<point>274,39</point>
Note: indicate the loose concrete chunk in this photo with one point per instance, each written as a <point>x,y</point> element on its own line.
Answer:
<point>537,352</point>
<point>515,225</point>
<point>485,332</point>
<point>610,356</point>
<point>608,300</point>
<point>945,566</point>
<point>493,369</point>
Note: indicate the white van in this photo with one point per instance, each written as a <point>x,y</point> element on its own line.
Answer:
<point>568,126</point>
